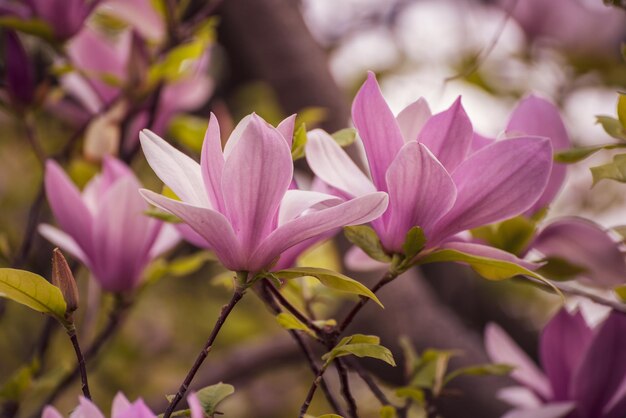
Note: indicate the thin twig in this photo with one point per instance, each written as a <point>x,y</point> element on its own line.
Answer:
<point>226,310</point>
<point>309,396</point>
<point>369,380</point>
<point>292,309</point>
<point>345,388</point>
<point>81,362</point>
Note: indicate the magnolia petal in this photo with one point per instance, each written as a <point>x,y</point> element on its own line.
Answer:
<point>63,241</point>
<point>377,128</point>
<point>519,397</point>
<point>536,116</point>
<point>123,236</point>
<point>420,192</point>
<point>585,244</point>
<point>601,372</point>
<point>113,170</point>
<point>356,259</point>
<point>211,225</point>
<point>257,173</point>
<point>212,163</point>
<point>235,135</point>
<point>616,406</point>
<point>563,343</point>
<point>496,183</point>
<point>332,165</point>
<point>177,170</point>
<point>296,202</point>
<point>68,207</point>
<point>141,14</point>
<point>412,119</point>
<point>166,239</point>
<point>555,410</point>
<point>479,142</point>
<point>448,135</point>
<point>194,404</point>
<point>192,236</point>
<point>286,128</point>
<point>502,349</point>
<point>138,409</point>
<point>51,412</point>
<point>356,211</point>
<point>86,409</point>
<point>120,404</point>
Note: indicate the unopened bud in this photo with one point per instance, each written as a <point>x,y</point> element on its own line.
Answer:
<point>63,278</point>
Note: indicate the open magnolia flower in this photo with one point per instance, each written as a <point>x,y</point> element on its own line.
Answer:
<point>238,199</point>
<point>105,227</point>
<point>584,369</point>
<point>121,408</point>
<point>434,178</point>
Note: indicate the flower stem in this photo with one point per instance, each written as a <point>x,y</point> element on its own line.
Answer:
<point>71,332</point>
<point>226,310</point>
<point>309,396</point>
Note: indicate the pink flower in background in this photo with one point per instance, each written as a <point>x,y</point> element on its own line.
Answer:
<point>105,227</point>
<point>433,179</point>
<point>121,408</point>
<point>238,199</point>
<point>19,75</point>
<point>584,369</point>
<point>66,17</point>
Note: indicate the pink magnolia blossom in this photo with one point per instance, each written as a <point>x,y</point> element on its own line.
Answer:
<point>433,178</point>
<point>66,17</point>
<point>105,227</point>
<point>238,199</point>
<point>121,408</point>
<point>584,369</point>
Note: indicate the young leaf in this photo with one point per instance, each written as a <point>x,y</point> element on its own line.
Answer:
<point>612,126</point>
<point>413,242</point>
<point>189,131</point>
<point>162,216</point>
<point>299,142</point>
<point>211,396</point>
<point>17,384</point>
<point>388,411</point>
<point>331,279</point>
<point>574,155</point>
<point>359,339</point>
<point>289,321</point>
<point>34,291</point>
<point>479,370</point>
<point>413,393</point>
<point>620,292</point>
<point>556,268</point>
<point>360,345</point>
<point>344,137</point>
<point>615,170</point>
<point>366,239</point>
<point>621,109</point>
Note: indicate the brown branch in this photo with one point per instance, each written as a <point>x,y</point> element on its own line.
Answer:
<point>345,388</point>
<point>369,380</point>
<point>81,362</point>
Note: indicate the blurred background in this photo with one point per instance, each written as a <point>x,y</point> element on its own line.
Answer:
<point>279,57</point>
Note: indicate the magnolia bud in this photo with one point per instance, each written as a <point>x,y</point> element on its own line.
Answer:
<point>63,278</point>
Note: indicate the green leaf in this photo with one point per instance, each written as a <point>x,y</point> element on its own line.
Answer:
<point>513,235</point>
<point>18,384</point>
<point>34,291</point>
<point>620,292</point>
<point>365,238</point>
<point>289,321</point>
<point>361,346</point>
<point>412,393</point>
<point>162,216</point>
<point>488,268</point>
<point>431,369</point>
<point>189,131</point>
<point>345,137</point>
<point>621,230</point>
<point>621,109</point>
<point>574,155</point>
<point>557,268</point>
<point>330,279</point>
<point>35,27</point>
<point>480,370</point>
<point>414,242</point>
<point>211,396</point>
<point>299,142</point>
<point>185,265</point>
<point>612,127</point>
<point>388,411</point>
<point>615,170</point>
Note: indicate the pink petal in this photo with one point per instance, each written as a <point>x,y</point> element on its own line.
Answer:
<point>377,128</point>
<point>211,225</point>
<point>356,211</point>
<point>587,245</point>
<point>167,239</point>
<point>86,409</point>
<point>603,368</point>
<point>141,14</point>
<point>519,397</point>
<point>51,412</point>
<point>63,241</point>
<point>555,410</point>
<point>113,170</point>
<point>356,259</point>
<point>488,252</point>
<point>420,192</point>
<point>296,202</point>
<point>412,119</point>
<point>177,170</point>
<point>332,165</point>
<point>538,117</point>
<point>68,207</point>
<point>286,128</point>
<point>502,349</point>
<point>212,163</point>
<point>120,404</point>
<point>194,404</point>
<point>192,236</point>
<point>448,135</point>
<point>479,142</point>
<point>564,341</point>
<point>497,183</point>
<point>257,173</point>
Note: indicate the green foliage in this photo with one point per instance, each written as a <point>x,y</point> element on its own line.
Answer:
<point>18,383</point>
<point>361,346</point>
<point>162,216</point>
<point>479,370</point>
<point>289,321</point>
<point>556,268</point>
<point>189,131</point>
<point>513,235</point>
<point>365,238</point>
<point>615,170</point>
<point>299,142</point>
<point>345,137</point>
<point>330,279</point>
<point>574,155</point>
<point>613,127</point>
<point>35,27</point>
<point>414,242</point>
<point>620,292</point>
<point>211,396</point>
<point>178,267</point>
<point>33,291</point>
<point>388,411</point>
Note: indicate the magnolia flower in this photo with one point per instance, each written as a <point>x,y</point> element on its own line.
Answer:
<point>584,369</point>
<point>65,17</point>
<point>20,77</point>
<point>433,179</point>
<point>121,408</point>
<point>238,199</point>
<point>105,226</point>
